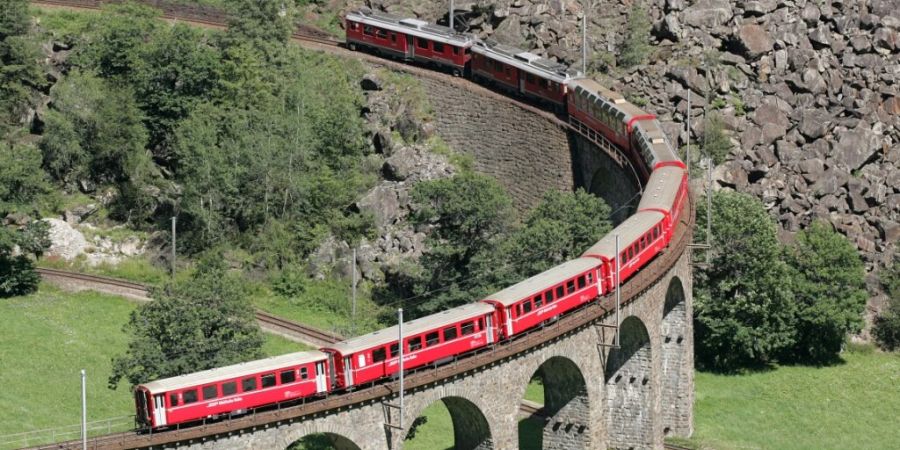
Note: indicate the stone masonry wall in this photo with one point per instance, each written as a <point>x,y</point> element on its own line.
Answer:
<point>676,398</point>
<point>527,152</point>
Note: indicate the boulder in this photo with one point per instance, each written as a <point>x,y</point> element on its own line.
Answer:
<point>708,14</point>
<point>382,202</point>
<point>768,113</point>
<point>759,7</point>
<point>856,147</point>
<point>814,123</point>
<point>65,242</point>
<point>754,39</point>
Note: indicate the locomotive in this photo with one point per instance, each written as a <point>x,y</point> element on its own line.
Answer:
<point>498,317</point>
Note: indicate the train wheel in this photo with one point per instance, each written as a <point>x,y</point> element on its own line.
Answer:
<point>352,46</point>
<point>456,73</point>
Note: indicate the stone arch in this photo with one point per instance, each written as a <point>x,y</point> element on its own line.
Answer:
<point>323,441</point>
<point>471,430</point>
<point>629,388</point>
<point>675,395</point>
<point>566,405</point>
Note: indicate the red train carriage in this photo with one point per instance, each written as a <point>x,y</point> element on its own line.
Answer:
<point>524,73</point>
<point>430,339</point>
<point>609,113</point>
<point>546,295</point>
<point>641,237</point>
<point>653,144</point>
<point>665,193</point>
<point>409,39</point>
<point>232,389</point>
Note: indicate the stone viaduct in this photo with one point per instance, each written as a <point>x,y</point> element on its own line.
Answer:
<point>596,396</point>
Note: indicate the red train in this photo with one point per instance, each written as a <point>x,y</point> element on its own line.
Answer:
<point>496,318</point>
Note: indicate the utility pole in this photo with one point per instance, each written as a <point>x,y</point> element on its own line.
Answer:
<point>83,409</point>
<point>584,39</point>
<point>353,307</point>
<point>451,17</point>
<point>400,346</point>
<point>618,291</point>
<point>709,163</point>
<point>688,152</point>
<point>173,245</point>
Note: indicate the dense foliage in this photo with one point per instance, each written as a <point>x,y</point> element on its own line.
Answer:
<point>20,72</point>
<point>477,246</point>
<point>17,274</point>
<point>636,45</point>
<point>828,289</point>
<point>886,328</point>
<point>742,305</point>
<point>757,302</point>
<point>194,324</point>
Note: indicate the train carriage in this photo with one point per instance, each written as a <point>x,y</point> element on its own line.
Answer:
<point>665,192</point>
<point>546,295</point>
<point>430,339</point>
<point>609,113</point>
<point>409,39</point>
<point>641,237</point>
<point>653,145</point>
<point>232,389</point>
<point>524,73</point>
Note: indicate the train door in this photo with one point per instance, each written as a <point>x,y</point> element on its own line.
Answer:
<point>521,76</point>
<point>159,410</point>
<point>490,328</point>
<point>410,48</point>
<point>321,381</point>
<point>348,371</point>
<point>509,322</point>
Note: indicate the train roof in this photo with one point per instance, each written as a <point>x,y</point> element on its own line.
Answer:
<point>411,26</point>
<point>662,188</point>
<point>629,231</point>
<point>234,371</point>
<point>527,61</point>
<point>599,93</point>
<point>411,328</point>
<point>542,281</point>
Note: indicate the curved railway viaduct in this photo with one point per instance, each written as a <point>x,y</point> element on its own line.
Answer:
<point>597,395</point>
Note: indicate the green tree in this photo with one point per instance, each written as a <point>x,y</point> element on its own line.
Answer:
<point>716,143</point>
<point>743,311</point>
<point>265,24</point>
<point>636,45</point>
<point>558,229</point>
<point>196,324</point>
<point>886,327</point>
<point>22,181</point>
<point>114,47</point>
<point>470,215</point>
<point>17,274</point>
<point>19,69</point>
<point>829,290</point>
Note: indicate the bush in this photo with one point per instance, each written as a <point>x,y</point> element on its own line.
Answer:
<point>17,274</point>
<point>636,46</point>
<point>886,328</point>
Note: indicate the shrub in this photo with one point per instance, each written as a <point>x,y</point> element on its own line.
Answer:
<point>636,46</point>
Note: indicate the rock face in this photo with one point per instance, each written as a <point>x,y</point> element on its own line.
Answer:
<point>69,243</point>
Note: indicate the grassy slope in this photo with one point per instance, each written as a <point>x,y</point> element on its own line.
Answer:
<point>851,405</point>
<point>51,335</point>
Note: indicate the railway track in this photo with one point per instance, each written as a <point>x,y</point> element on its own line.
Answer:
<point>289,329</point>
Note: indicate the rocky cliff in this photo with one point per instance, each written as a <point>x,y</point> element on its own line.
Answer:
<point>807,91</point>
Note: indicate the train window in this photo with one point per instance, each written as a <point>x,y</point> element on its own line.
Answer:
<point>393,37</point>
<point>210,392</point>
<point>189,396</point>
<point>173,400</point>
<point>304,373</point>
<point>379,354</point>
<point>481,324</point>
<point>624,258</point>
<point>560,292</point>
<point>656,233</point>
<point>432,338</point>
<point>630,252</point>
<point>415,343</point>
<point>450,333</point>
<point>229,388</point>
<point>538,301</point>
<point>530,78</point>
<point>581,282</point>
<point>438,47</point>
<point>468,328</point>
<point>248,384</point>
<point>368,30</point>
<point>570,286</point>
<point>267,380</point>
<point>381,34</point>
<point>422,43</point>
<point>395,349</point>
<point>288,376</point>
<point>548,297</point>
<point>526,306</point>
<point>455,50</point>
<point>590,277</point>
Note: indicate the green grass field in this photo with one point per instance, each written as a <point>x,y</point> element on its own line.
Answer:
<point>854,405</point>
<point>48,337</point>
